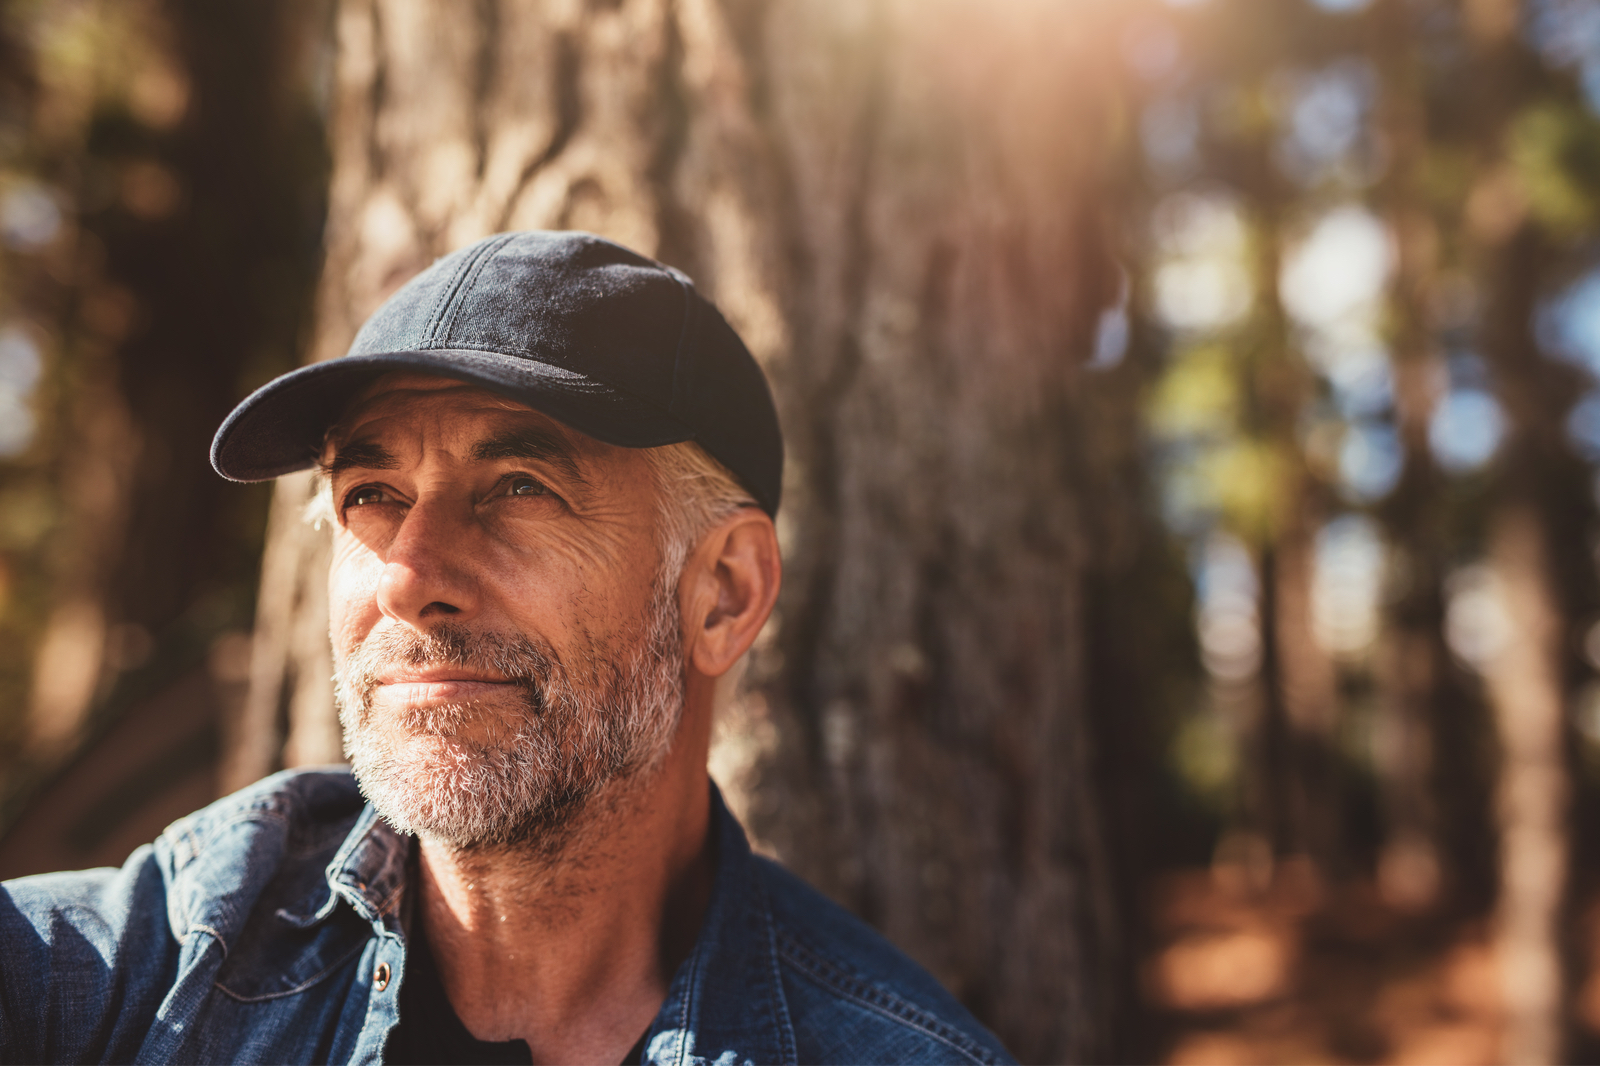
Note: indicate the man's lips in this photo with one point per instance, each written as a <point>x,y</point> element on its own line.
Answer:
<point>426,675</point>
<point>438,686</point>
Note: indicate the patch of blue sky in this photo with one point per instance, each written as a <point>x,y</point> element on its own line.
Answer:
<point>1567,34</point>
<point>1362,381</point>
<point>1467,370</point>
<point>1187,499</point>
<point>1326,117</point>
<point>1568,324</point>
<point>1583,427</point>
<point>1113,329</point>
<point>1466,430</point>
<point>1370,458</point>
<point>1341,7</point>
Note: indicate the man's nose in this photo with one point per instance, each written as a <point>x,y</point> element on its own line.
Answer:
<point>427,573</point>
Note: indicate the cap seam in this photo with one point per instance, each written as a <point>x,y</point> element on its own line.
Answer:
<point>443,317</point>
<point>439,302</point>
<point>683,362</point>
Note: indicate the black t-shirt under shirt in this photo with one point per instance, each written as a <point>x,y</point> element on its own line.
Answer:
<point>429,1031</point>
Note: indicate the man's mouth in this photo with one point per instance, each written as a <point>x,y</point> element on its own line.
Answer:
<point>430,686</point>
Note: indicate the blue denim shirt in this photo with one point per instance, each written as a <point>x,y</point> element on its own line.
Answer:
<point>256,930</point>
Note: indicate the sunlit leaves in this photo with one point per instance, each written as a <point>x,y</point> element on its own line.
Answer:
<point>20,367</point>
<point>1338,273</point>
<point>1202,280</point>
<point>1555,150</point>
<point>1199,396</point>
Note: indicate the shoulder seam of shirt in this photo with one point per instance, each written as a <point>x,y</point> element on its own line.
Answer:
<point>253,803</point>
<point>875,998</point>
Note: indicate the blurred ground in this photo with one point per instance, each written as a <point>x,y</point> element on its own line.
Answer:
<point>1291,973</point>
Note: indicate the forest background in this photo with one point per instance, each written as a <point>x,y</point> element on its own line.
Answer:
<point>1190,648</point>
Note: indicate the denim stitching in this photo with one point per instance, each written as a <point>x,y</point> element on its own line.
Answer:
<point>213,831</point>
<point>779,1004</point>
<point>688,1006</point>
<point>302,987</point>
<point>430,331</point>
<point>372,1002</point>
<point>202,928</point>
<point>462,283</point>
<point>878,1000</point>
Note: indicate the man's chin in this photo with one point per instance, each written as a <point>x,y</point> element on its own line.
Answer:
<point>439,788</point>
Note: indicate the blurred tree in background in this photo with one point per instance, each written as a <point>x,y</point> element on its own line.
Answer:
<point>1364,229</point>
<point>1191,640</point>
<point>161,190</point>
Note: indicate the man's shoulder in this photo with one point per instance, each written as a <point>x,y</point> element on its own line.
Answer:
<point>89,956</point>
<point>854,997</point>
<point>302,810</point>
<point>284,827</point>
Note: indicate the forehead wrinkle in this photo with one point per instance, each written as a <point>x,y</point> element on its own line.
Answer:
<point>366,454</point>
<point>353,442</point>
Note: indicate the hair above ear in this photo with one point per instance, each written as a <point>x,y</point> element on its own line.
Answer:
<point>695,494</point>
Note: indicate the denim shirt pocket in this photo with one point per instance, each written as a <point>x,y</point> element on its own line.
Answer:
<point>298,932</point>
<point>278,956</point>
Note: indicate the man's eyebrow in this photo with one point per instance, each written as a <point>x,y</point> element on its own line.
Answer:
<point>530,443</point>
<point>367,454</point>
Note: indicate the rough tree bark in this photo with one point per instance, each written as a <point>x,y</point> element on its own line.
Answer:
<point>894,202</point>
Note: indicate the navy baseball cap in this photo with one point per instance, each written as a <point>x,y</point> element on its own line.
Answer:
<point>581,329</point>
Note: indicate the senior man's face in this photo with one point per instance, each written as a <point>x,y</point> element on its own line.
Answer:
<point>505,642</point>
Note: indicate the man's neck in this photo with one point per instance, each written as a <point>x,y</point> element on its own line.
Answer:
<point>573,952</point>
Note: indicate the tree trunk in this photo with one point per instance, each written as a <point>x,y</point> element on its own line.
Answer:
<point>1413,673</point>
<point>895,205</point>
<point>1541,517</point>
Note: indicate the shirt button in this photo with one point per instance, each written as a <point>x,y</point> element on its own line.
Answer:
<point>380,977</point>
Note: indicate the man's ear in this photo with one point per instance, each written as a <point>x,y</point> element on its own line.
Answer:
<point>728,590</point>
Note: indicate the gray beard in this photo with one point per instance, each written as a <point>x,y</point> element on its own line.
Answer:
<point>526,780</point>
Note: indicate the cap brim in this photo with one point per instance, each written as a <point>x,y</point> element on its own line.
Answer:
<point>280,427</point>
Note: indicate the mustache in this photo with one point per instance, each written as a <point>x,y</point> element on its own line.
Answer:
<point>531,666</point>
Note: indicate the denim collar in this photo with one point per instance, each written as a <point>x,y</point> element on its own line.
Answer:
<point>725,1003</point>
<point>368,873</point>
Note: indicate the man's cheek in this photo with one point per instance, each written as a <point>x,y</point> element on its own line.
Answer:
<point>352,598</point>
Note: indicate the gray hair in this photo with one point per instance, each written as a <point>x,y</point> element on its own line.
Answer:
<point>696,493</point>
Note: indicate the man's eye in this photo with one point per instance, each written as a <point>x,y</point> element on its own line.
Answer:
<point>367,494</point>
<point>522,485</point>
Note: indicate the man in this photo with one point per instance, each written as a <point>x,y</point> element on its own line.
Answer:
<point>550,470</point>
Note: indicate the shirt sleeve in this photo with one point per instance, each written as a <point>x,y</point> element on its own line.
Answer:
<point>85,960</point>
